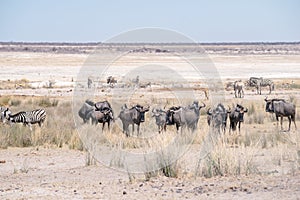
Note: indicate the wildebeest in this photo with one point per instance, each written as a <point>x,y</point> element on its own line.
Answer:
<point>104,116</point>
<point>111,81</point>
<point>281,108</point>
<point>236,117</point>
<point>29,117</point>
<point>238,87</point>
<point>160,119</point>
<point>185,116</point>
<point>134,115</point>
<point>103,105</point>
<point>89,106</point>
<point>261,82</point>
<point>217,117</point>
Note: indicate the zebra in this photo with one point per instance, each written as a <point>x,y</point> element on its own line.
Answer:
<point>261,82</point>
<point>4,113</point>
<point>238,89</point>
<point>29,117</point>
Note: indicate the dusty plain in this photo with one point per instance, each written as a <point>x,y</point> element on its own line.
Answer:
<point>267,159</point>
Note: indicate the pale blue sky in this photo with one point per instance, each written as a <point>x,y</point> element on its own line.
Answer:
<point>203,21</point>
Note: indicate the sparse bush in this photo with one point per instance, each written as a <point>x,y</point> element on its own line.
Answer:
<point>4,101</point>
<point>16,102</point>
<point>46,102</point>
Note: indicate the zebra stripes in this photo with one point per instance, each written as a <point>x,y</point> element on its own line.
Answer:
<point>4,113</point>
<point>29,118</point>
<point>261,82</point>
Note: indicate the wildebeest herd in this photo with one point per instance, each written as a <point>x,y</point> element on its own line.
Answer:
<point>183,117</point>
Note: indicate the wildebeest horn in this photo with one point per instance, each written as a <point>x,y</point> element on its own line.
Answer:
<point>229,109</point>
<point>209,111</point>
<point>266,99</point>
<point>203,105</point>
<point>246,110</point>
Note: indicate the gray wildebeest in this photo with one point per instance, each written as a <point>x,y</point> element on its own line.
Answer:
<point>236,117</point>
<point>238,87</point>
<point>104,116</point>
<point>160,119</point>
<point>281,108</point>
<point>184,116</point>
<point>103,105</point>
<point>217,117</point>
<point>89,106</point>
<point>134,115</point>
<point>260,82</point>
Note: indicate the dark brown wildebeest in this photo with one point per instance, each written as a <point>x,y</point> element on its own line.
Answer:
<point>236,117</point>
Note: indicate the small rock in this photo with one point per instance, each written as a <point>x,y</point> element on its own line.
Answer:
<point>124,192</point>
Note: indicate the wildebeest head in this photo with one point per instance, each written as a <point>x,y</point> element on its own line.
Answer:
<point>270,104</point>
<point>141,110</point>
<point>157,112</point>
<point>217,116</point>
<point>102,105</point>
<point>170,112</point>
<point>240,110</point>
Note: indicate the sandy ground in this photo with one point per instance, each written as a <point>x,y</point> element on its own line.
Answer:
<point>49,173</point>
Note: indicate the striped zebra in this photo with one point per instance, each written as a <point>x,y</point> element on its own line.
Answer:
<point>29,117</point>
<point>261,82</point>
<point>4,113</point>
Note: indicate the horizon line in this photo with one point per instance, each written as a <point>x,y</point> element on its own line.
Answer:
<point>150,43</point>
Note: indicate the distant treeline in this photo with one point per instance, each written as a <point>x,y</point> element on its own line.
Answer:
<point>104,43</point>
<point>246,48</point>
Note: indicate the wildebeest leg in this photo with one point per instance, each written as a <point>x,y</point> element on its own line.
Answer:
<point>242,93</point>
<point>108,126</point>
<point>277,121</point>
<point>235,93</point>
<point>177,127</point>
<point>125,129</point>
<point>239,127</point>
<point>103,124</point>
<point>293,118</point>
<point>289,123</point>
<point>132,129</point>
<point>281,119</point>
<point>138,129</point>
